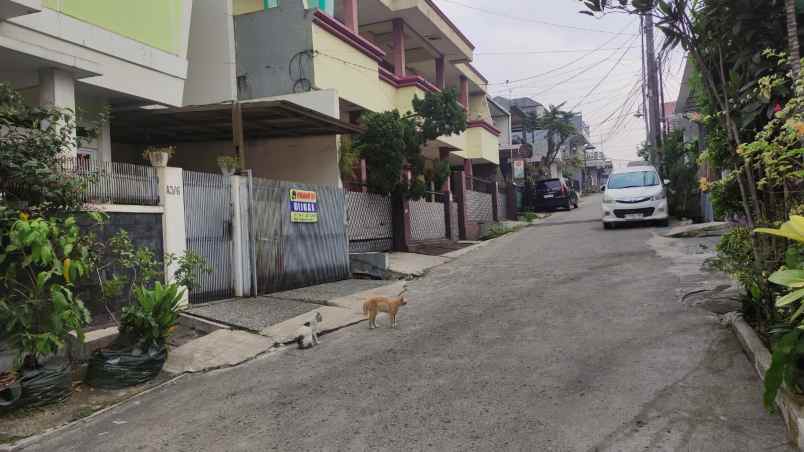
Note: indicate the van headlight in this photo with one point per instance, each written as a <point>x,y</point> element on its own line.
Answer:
<point>659,196</point>
<point>608,199</point>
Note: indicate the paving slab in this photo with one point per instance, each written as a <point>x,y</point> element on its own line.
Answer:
<point>354,302</point>
<point>333,318</point>
<point>413,264</point>
<point>253,314</point>
<point>222,348</point>
<point>322,293</point>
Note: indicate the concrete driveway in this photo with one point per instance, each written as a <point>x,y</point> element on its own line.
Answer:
<point>561,337</point>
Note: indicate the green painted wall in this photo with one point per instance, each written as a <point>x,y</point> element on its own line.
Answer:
<point>157,23</point>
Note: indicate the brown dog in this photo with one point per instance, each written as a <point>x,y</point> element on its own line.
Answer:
<point>382,304</point>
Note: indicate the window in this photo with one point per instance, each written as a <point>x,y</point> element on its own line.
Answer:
<point>635,179</point>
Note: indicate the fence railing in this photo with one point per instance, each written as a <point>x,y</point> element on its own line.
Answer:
<point>115,182</point>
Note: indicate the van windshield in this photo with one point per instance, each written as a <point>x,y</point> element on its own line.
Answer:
<point>634,179</point>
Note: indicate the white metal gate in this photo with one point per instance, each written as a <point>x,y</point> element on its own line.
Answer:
<point>208,222</point>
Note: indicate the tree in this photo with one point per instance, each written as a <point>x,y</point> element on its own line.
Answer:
<point>558,129</point>
<point>725,39</point>
<point>393,141</point>
<point>792,36</point>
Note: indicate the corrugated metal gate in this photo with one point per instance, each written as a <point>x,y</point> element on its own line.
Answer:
<point>370,226</point>
<point>208,223</point>
<point>291,255</point>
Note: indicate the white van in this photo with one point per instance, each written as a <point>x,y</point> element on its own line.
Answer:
<point>635,194</point>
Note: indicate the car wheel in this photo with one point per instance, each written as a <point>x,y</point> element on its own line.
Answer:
<point>608,226</point>
<point>663,223</point>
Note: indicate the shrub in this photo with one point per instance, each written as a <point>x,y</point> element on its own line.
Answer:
<point>152,317</point>
<point>41,259</point>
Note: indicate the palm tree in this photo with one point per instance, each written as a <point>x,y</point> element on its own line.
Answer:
<point>792,36</point>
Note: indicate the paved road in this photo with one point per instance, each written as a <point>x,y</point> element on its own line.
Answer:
<point>560,337</point>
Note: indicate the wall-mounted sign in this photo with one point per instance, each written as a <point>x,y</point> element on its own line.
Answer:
<point>303,206</point>
<point>519,169</point>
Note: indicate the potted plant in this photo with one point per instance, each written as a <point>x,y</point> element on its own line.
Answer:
<point>229,164</point>
<point>140,350</point>
<point>158,155</point>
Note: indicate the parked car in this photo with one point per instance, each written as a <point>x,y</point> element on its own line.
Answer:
<point>635,194</point>
<point>554,193</point>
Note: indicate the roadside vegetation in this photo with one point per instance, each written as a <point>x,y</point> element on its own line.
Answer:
<point>51,268</point>
<point>750,97</point>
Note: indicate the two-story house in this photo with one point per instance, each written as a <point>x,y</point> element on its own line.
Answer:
<point>367,55</point>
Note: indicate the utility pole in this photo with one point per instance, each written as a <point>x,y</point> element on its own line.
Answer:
<point>654,130</point>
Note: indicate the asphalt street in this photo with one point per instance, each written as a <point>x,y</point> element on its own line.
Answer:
<point>561,337</point>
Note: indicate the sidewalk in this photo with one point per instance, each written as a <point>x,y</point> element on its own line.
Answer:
<point>251,327</point>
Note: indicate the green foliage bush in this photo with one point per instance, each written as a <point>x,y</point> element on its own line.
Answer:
<point>152,317</point>
<point>41,260</point>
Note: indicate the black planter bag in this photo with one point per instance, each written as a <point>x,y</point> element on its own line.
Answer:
<point>9,395</point>
<point>44,385</point>
<point>118,369</point>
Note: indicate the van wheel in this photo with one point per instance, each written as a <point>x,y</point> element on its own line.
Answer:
<point>608,226</point>
<point>663,223</point>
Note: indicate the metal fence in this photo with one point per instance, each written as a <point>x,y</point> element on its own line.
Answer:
<point>208,223</point>
<point>291,255</point>
<point>115,182</point>
<point>370,226</point>
<point>427,221</point>
<point>479,207</point>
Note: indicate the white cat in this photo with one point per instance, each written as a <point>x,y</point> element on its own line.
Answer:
<point>307,334</point>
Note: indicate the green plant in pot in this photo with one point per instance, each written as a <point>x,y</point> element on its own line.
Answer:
<point>787,363</point>
<point>229,164</point>
<point>140,350</point>
<point>41,260</point>
<point>159,155</point>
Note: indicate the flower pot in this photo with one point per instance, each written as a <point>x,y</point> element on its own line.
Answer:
<point>227,171</point>
<point>159,159</point>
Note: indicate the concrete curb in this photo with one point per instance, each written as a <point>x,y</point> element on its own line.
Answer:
<point>790,405</point>
<point>31,440</point>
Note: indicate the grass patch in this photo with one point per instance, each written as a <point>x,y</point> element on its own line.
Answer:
<point>499,230</point>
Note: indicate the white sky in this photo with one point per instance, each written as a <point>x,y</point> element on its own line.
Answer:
<point>514,39</point>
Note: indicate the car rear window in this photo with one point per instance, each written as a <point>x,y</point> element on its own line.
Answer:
<point>545,185</point>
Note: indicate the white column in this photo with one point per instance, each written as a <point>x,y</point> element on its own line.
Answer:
<point>171,198</point>
<point>237,238</point>
<point>57,89</point>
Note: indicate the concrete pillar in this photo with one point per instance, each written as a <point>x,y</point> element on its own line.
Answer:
<point>363,176</point>
<point>171,198</point>
<point>439,70</point>
<point>399,48</point>
<point>400,216</point>
<point>350,18</point>
<point>463,92</point>
<point>239,274</point>
<point>57,89</point>
<point>468,172</point>
<point>443,154</point>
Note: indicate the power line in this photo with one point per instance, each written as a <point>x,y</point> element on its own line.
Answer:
<point>543,52</point>
<point>581,58</point>
<point>589,93</point>
<point>528,20</point>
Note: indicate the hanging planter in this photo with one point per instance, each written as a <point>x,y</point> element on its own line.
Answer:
<point>229,164</point>
<point>159,156</point>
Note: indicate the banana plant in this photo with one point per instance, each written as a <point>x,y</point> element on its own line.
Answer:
<point>792,278</point>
